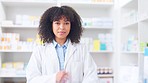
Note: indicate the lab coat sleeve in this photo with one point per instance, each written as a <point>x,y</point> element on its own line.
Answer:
<point>34,70</point>
<point>90,68</point>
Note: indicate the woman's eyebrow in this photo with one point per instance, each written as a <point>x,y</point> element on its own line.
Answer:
<point>66,20</point>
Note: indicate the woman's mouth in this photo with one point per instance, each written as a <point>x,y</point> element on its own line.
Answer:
<point>61,33</point>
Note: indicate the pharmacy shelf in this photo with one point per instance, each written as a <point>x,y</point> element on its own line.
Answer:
<point>130,25</point>
<point>53,3</point>
<point>101,51</point>
<point>15,50</point>
<point>131,18</point>
<point>130,4</point>
<point>144,19</point>
<point>20,26</point>
<point>12,76</point>
<point>95,27</point>
<point>9,73</point>
<point>141,52</point>
<point>89,4</point>
<point>106,76</point>
<point>23,3</point>
<point>130,52</point>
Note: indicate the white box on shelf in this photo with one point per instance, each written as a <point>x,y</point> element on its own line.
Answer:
<point>129,74</point>
<point>106,80</point>
<point>7,22</point>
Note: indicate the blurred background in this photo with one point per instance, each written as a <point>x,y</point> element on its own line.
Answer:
<point>115,32</point>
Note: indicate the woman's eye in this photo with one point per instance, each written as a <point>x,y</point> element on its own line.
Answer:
<point>67,23</point>
<point>57,23</point>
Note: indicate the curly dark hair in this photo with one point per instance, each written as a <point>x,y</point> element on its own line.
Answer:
<point>54,14</point>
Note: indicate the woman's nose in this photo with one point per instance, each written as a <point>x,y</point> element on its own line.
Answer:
<point>61,26</point>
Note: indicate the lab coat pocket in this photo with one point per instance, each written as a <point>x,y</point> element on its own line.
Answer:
<point>76,71</point>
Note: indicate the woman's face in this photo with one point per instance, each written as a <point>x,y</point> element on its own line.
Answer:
<point>61,29</point>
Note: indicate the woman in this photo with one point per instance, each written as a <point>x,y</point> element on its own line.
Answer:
<point>61,58</point>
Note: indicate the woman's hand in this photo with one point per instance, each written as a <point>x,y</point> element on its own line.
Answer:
<point>61,77</point>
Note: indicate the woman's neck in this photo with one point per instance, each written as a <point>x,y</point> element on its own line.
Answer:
<point>60,41</point>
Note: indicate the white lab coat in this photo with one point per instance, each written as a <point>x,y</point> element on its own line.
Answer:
<point>44,65</point>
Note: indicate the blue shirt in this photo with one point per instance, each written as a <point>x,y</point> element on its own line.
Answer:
<point>61,51</point>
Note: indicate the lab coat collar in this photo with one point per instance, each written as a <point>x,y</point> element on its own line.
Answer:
<point>52,52</point>
<point>70,50</point>
<point>56,44</point>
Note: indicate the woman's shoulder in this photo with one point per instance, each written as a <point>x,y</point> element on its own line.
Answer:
<point>42,46</point>
<point>81,45</point>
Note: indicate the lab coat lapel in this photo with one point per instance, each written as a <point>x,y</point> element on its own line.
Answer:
<point>70,50</point>
<point>54,55</point>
